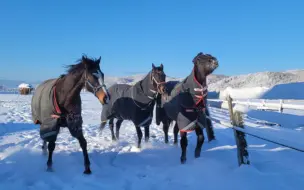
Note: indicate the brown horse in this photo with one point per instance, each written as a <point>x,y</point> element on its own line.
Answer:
<point>57,103</point>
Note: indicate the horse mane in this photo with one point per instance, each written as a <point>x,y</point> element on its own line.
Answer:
<point>79,66</point>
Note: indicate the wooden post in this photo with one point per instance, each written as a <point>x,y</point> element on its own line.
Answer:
<point>240,139</point>
<point>230,109</point>
<point>281,106</point>
<point>237,120</point>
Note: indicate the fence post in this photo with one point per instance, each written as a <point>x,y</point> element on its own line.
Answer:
<point>281,106</point>
<point>241,143</point>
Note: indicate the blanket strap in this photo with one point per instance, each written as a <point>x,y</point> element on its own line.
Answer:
<point>56,103</point>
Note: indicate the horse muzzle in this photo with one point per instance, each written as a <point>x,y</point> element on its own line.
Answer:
<point>162,89</point>
<point>102,96</point>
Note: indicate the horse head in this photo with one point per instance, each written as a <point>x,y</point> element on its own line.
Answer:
<point>204,65</point>
<point>94,79</point>
<point>158,78</point>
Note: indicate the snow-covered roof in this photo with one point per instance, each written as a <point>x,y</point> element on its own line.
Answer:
<point>24,85</point>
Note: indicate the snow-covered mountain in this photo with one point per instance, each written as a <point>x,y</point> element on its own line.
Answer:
<point>221,82</point>
<point>260,79</point>
<point>215,82</point>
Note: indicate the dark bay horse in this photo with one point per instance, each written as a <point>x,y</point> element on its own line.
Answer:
<point>185,103</point>
<point>135,103</point>
<point>57,103</point>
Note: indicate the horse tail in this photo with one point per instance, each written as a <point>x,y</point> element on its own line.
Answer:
<point>159,110</point>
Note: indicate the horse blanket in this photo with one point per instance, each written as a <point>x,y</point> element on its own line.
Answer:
<point>44,111</point>
<point>129,103</point>
<point>185,103</point>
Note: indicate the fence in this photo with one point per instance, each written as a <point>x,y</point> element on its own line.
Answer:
<point>237,124</point>
<point>267,104</point>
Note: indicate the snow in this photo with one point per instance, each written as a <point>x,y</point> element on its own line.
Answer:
<point>242,93</point>
<point>286,91</point>
<point>156,166</point>
<point>24,85</point>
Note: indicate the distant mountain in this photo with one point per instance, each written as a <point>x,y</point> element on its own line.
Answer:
<point>215,82</point>
<point>130,79</point>
<point>260,79</point>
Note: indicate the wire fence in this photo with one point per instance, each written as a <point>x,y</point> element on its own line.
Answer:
<point>240,129</point>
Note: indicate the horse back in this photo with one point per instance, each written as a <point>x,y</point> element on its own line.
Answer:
<point>42,101</point>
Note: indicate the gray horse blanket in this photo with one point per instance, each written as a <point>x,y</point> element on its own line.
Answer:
<point>186,103</point>
<point>129,103</point>
<point>44,111</point>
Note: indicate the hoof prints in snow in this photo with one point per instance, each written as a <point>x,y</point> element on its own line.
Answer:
<point>120,165</point>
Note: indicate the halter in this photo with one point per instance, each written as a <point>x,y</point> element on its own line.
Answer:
<point>153,79</point>
<point>155,93</point>
<point>100,86</point>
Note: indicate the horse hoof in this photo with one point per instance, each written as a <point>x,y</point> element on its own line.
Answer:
<point>87,172</point>
<point>175,143</point>
<point>166,141</point>
<point>197,153</point>
<point>183,160</point>
<point>212,139</point>
<point>49,169</point>
<point>146,139</point>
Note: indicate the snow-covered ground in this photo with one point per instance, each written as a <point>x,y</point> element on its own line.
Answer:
<point>156,166</point>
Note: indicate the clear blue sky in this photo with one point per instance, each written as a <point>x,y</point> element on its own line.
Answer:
<point>38,37</point>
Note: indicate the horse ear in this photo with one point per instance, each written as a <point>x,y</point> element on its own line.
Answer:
<point>84,59</point>
<point>161,66</point>
<point>98,60</point>
<point>195,59</point>
<point>153,66</point>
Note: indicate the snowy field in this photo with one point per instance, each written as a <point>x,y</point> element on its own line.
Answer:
<point>156,166</point>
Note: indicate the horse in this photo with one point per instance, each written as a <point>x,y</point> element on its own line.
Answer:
<point>135,103</point>
<point>185,103</point>
<point>56,103</point>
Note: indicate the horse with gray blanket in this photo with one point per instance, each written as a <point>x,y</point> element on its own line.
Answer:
<point>57,103</point>
<point>135,103</point>
<point>185,103</point>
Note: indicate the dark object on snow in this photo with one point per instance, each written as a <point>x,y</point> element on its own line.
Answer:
<point>56,103</point>
<point>135,103</point>
<point>185,103</point>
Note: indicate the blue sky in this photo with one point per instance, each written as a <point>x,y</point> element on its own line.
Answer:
<point>38,37</point>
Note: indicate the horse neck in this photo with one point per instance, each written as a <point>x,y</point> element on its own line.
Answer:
<point>200,78</point>
<point>146,85</point>
<point>68,91</point>
<point>193,81</point>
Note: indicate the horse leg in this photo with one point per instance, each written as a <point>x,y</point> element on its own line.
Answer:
<point>184,144</point>
<point>51,148</point>
<point>111,125</point>
<point>147,133</point>
<point>118,124</point>
<point>200,141</point>
<point>44,147</point>
<point>209,127</point>
<point>102,126</point>
<point>166,129</point>
<point>175,133</point>
<point>83,144</point>
<point>139,136</point>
